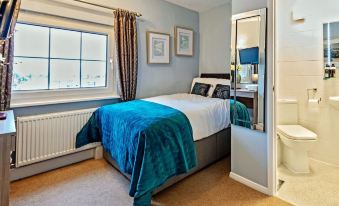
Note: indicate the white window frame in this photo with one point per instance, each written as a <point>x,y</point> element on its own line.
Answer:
<point>46,97</point>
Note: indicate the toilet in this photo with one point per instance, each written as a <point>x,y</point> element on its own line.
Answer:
<point>296,140</point>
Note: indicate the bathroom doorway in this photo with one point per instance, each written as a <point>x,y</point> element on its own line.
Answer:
<point>307,101</point>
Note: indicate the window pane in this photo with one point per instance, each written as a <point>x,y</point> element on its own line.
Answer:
<point>94,47</point>
<point>65,44</point>
<point>93,74</point>
<point>64,74</point>
<point>32,41</point>
<point>52,58</point>
<point>30,74</point>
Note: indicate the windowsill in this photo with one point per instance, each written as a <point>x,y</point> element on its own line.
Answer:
<point>61,101</point>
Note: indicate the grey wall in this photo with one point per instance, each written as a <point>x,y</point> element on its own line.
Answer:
<point>215,39</point>
<point>159,16</point>
<point>239,6</point>
<point>251,156</point>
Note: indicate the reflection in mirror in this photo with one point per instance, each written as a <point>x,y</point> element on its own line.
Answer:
<point>331,49</point>
<point>248,33</point>
<point>248,69</point>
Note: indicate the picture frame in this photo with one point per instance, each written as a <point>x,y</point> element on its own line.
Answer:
<point>158,48</point>
<point>184,41</point>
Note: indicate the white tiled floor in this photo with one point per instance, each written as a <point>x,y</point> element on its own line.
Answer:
<point>320,188</point>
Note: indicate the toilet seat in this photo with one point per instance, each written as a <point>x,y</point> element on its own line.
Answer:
<point>296,132</point>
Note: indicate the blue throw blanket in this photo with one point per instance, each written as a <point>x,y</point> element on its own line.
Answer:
<point>149,141</point>
<point>240,115</point>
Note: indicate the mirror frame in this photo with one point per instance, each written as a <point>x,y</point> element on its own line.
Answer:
<point>262,55</point>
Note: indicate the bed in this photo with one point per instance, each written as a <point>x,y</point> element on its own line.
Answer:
<point>195,133</point>
<point>241,116</point>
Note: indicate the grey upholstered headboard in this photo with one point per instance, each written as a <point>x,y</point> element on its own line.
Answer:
<point>216,75</point>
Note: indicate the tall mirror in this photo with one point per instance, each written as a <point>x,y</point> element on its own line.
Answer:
<point>248,68</point>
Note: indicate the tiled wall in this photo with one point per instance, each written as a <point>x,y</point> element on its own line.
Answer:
<point>300,66</point>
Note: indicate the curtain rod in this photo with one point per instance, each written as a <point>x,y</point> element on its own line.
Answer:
<point>102,6</point>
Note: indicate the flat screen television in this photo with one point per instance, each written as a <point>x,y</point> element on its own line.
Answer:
<point>7,9</point>
<point>249,55</point>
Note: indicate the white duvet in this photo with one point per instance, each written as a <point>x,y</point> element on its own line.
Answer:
<point>206,115</point>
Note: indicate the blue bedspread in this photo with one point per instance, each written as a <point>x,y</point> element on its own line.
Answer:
<point>241,116</point>
<point>149,141</point>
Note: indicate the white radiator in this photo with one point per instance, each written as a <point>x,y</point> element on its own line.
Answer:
<point>47,136</point>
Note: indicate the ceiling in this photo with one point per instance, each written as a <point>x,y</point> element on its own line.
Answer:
<point>199,5</point>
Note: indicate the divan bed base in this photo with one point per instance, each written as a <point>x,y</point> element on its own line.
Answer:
<point>208,150</point>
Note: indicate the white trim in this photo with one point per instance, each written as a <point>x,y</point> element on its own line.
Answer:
<point>249,183</point>
<point>271,137</point>
<point>272,142</point>
<point>247,14</point>
<point>61,101</point>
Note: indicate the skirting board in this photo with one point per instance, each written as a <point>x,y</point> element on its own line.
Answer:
<point>249,183</point>
<point>48,165</point>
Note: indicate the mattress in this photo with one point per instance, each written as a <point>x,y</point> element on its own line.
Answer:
<point>206,115</point>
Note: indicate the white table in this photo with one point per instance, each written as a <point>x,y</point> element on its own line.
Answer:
<point>7,130</point>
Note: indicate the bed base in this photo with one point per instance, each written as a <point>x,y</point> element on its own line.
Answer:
<point>209,150</point>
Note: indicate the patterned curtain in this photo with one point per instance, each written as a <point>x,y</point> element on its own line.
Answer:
<point>126,45</point>
<point>6,67</point>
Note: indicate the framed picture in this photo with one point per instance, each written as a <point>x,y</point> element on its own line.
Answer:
<point>184,41</point>
<point>158,48</point>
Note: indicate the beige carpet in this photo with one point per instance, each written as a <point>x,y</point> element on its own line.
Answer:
<point>95,182</point>
<point>321,187</point>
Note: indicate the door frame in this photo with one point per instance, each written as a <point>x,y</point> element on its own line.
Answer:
<point>272,163</point>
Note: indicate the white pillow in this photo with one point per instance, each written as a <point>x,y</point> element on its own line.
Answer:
<point>212,81</point>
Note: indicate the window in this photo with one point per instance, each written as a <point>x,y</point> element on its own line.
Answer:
<point>48,58</point>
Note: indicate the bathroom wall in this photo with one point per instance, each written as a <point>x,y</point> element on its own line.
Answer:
<point>300,67</point>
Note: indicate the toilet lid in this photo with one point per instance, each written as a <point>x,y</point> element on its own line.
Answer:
<point>296,132</point>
